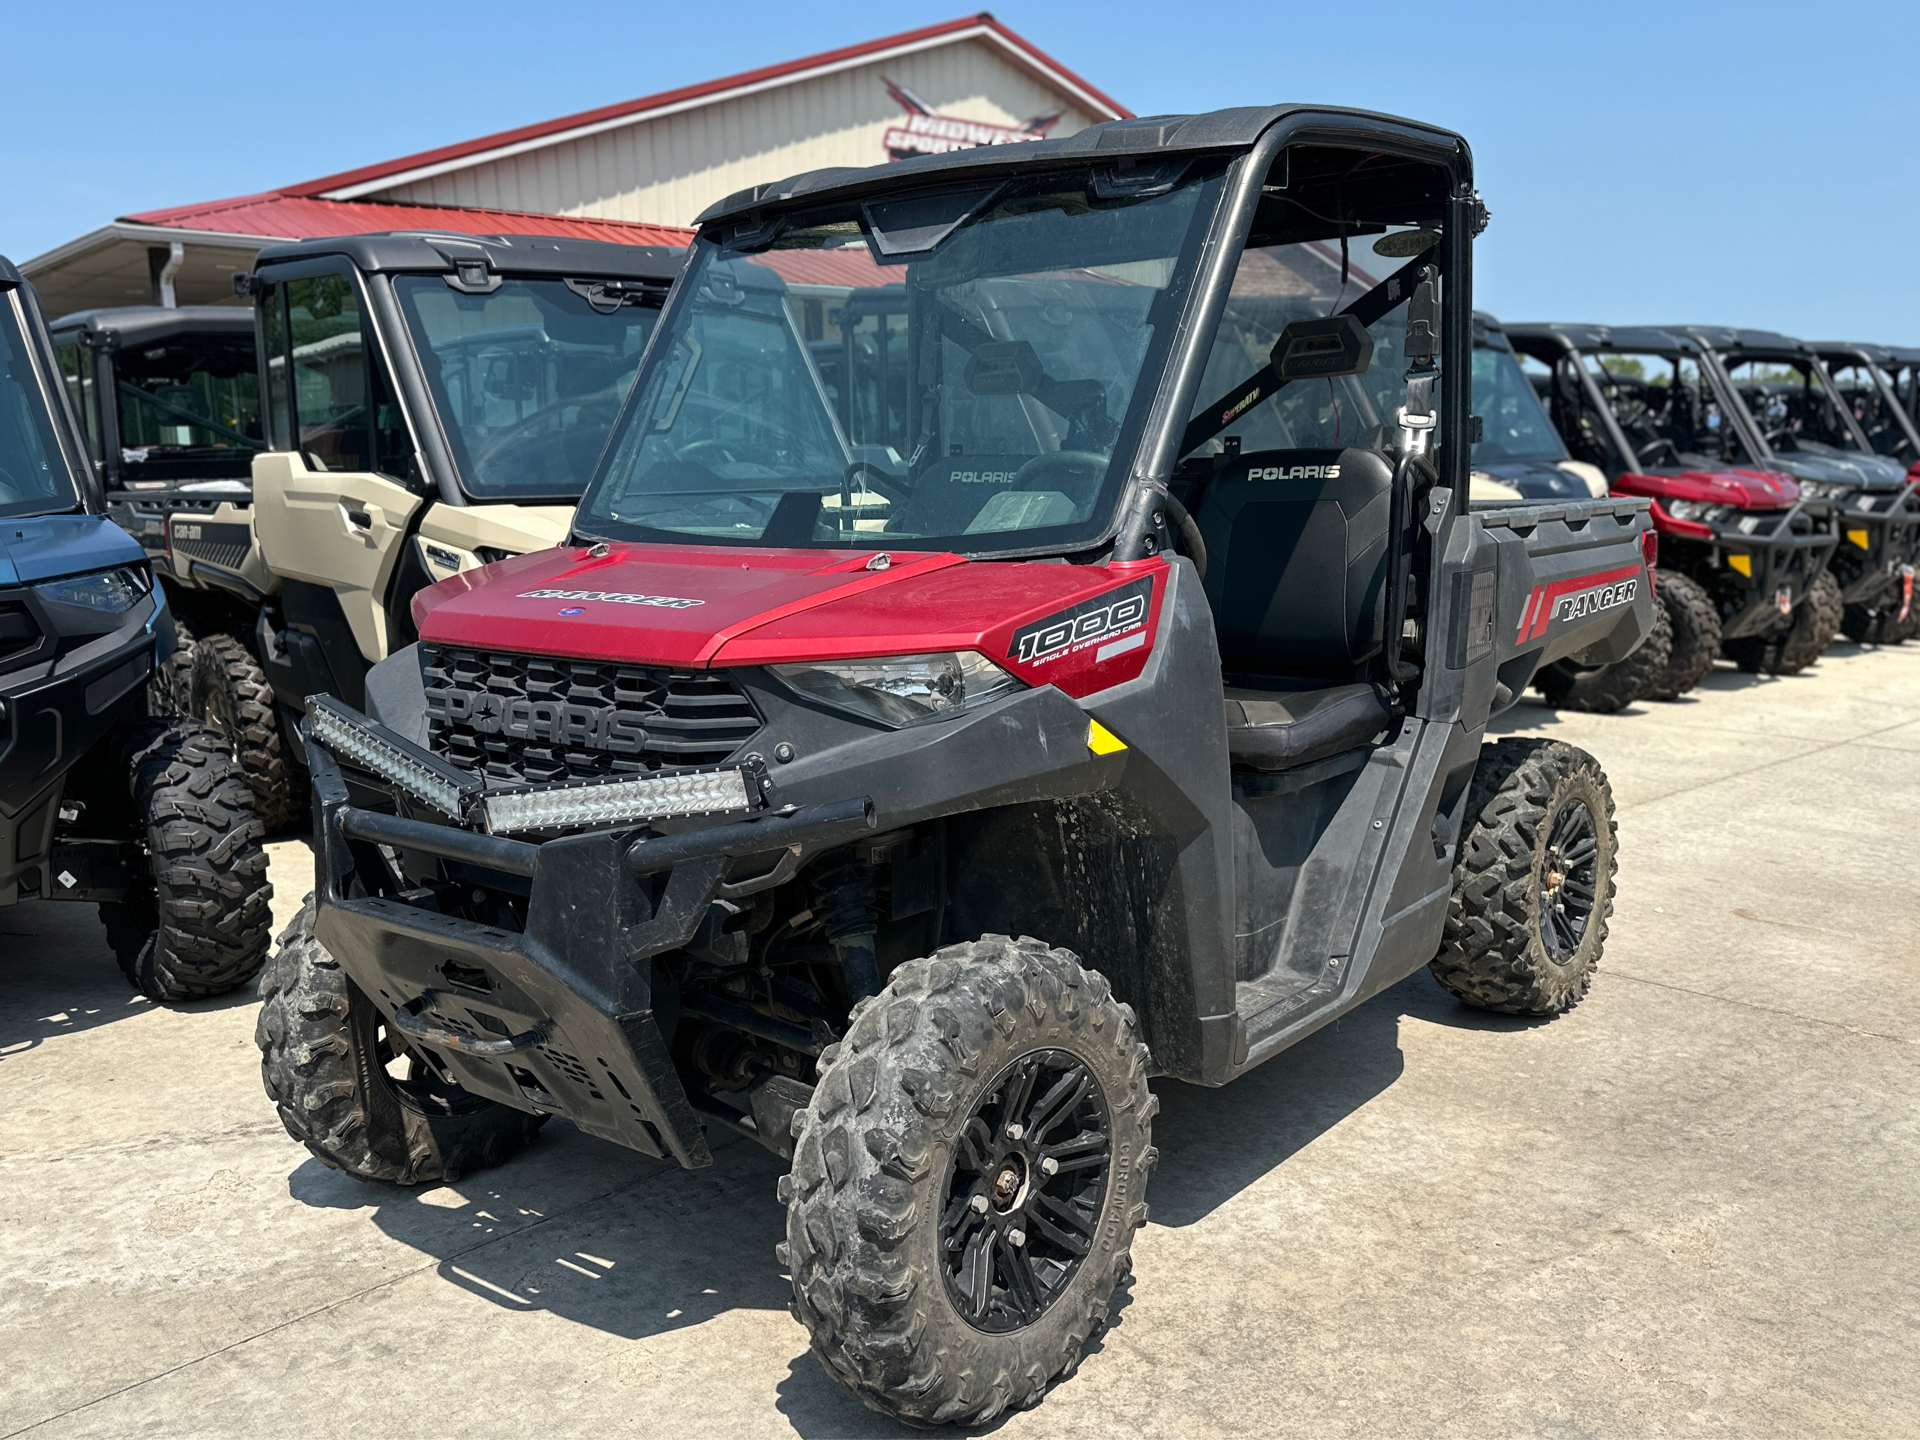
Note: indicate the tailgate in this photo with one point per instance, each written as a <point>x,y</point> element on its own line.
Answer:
<point>1573,584</point>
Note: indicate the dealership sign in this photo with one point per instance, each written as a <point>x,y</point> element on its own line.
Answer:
<point>925,132</point>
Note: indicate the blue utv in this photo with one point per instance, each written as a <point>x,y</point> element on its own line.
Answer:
<point>142,815</point>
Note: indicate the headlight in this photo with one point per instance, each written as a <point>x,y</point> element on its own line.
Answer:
<point>1823,489</point>
<point>1700,510</point>
<point>108,592</point>
<point>901,689</point>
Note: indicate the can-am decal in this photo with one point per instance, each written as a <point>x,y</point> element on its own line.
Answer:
<point>613,597</point>
<point>1575,599</point>
<point>1109,624</point>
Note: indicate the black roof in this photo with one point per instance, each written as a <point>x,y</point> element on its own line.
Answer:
<point>8,275</point>
<point>1903,354</point>
<point>1879,354</point>
<point>142,324</point>
<point>436,253</point>
<point>1147,135</point>
<point>1604,337</point>
<point>1732,337</point>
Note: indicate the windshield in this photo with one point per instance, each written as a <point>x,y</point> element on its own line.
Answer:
<point>958,370</point>
<point>527,379</point>
<point>188,407</point>
<point>1513,424</point>
<point>1867,394</point>
<point>1792,405</point>
<point>1668,409</point>
<point>33,468</point>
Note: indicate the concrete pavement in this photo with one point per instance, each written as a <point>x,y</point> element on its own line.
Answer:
<point>1685,1208</point>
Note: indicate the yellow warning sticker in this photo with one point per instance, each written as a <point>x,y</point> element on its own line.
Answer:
<point>1742,563</point>
<point>1103,741</point>
<point>1858,537</point>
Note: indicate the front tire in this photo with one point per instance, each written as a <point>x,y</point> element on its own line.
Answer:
<point>1533,882</point>
<point>170,687</point>
<point>1611,688</point>
<point>968,1180</point>
<point>328,1063</point>
<point>203,928</point>
<point>231,694</point>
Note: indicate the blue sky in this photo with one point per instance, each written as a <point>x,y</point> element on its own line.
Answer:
<point>1753,164</point>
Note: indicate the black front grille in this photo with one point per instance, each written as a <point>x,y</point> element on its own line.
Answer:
<point>536,718</point>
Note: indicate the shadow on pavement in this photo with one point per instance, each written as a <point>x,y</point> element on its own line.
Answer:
<point>57,977</point>
<point>584,1230</point>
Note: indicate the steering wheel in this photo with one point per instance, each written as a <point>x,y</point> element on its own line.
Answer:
<point>702,452</point>
<point>1077,473</point>
<point>1645,454</point>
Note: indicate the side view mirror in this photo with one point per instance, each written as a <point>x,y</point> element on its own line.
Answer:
<point>1321,347</point>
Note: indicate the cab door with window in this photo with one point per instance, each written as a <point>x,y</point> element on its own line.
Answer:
<point>334,500</point>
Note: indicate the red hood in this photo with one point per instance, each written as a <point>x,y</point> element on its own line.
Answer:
<point>710,606</point>
<point>1744,489</point>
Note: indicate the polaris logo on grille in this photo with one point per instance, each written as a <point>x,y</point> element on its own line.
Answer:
<point>552,722</point>
<point>1294,472</point>
<point>613,597</point>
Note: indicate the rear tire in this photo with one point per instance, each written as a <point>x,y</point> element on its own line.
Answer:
<point>1533,882</point>
<point>911,1183</point>
<point>325,1057</point>
<point>230,694</point>
<point>1694,626</point>
<point>1611,688</point>
<point>170,686</point>
<point>203,928</point>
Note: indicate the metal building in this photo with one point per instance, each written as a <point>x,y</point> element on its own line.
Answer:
<point>652,162</point>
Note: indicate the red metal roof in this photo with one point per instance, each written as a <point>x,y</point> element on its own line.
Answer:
<point>1039,59</point>
<point>285,216</point>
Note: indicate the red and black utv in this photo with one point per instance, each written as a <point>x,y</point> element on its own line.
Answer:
<point>1866,381</point>
<point>1136,614</point>
<point>1743,550</point>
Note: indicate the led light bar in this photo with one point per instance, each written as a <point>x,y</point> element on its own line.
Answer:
<point>370,746</point>
<point>614,802</point>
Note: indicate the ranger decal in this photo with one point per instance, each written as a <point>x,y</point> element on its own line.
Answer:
<point>1576,598</point>
<point>1111,623</point>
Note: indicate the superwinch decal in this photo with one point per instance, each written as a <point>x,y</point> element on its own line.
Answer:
<point>613,597</point>
<point>1575,598</point>
<point>1110,624</point>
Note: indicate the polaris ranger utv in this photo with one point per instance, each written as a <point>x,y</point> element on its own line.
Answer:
<point>147,819</point>
<point>1864,381</point>
<point>1743,551</point>
<point>1519,459</point>
<point>1787,399</point>
<point>431,402</point>
<point>1159,636</point>
<point>168,401</point>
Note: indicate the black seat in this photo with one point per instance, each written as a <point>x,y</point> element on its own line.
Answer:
<point>1300,540</point>
<point>1279,729</point>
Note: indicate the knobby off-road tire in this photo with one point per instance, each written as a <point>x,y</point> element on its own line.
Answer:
<point>1816,620</point>
<point>1611,688</point>
<point>1883,626</point>
<point>325,1058</point>
<point>169,688</point>
<point>230,693</point>
<point>910,1120</point>
<point>1693,626</point>
<point>203,929</point>
<point>1533,882</point>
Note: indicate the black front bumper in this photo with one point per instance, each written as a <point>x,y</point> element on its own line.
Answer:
<point>1756,558</point>
<point>561,1014</point>
<point>1879,544</point>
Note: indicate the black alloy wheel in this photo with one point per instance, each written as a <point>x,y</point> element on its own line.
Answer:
<point>1025,1191</point>
<point>1567,879</point>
